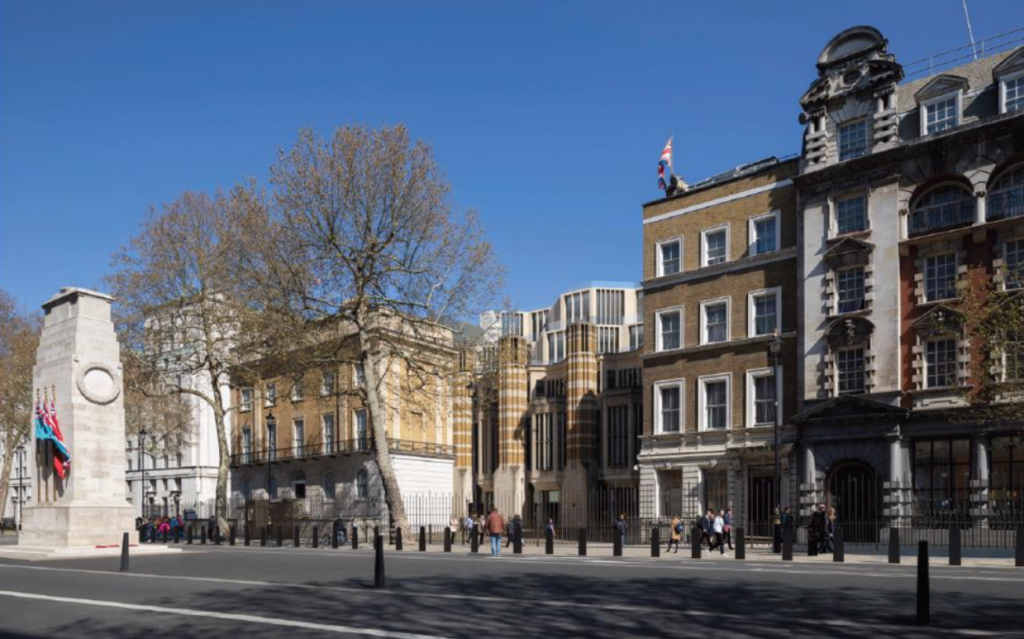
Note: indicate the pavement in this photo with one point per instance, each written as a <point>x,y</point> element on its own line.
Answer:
<point>303,592</point>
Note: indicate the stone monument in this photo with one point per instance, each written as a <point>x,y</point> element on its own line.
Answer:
<point>78,360</point>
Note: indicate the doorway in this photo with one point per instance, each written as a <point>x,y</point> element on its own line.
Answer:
<point>853,491</point>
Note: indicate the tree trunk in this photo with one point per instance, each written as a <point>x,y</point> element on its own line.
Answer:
<point>392,491</point>
<point>224,457</point>
<point>5,480</point>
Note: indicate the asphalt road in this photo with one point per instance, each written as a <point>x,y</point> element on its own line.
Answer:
<point>297,593</point>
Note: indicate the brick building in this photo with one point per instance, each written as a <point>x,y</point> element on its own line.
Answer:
<point>719,281</point>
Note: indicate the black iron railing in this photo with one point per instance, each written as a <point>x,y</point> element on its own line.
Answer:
<point>1005,205</point>
<point>343,447</point>
<point>941,217</point>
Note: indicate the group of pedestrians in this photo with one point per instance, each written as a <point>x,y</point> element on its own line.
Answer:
<point>162,528</point>
<point>822,529</point>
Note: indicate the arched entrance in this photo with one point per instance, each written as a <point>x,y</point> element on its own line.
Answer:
<point>853,490</point>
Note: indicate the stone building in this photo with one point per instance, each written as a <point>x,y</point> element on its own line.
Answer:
<point>906,188</point>
<point>556,423</point>
<point>719,282</point>
<point>304,439</point>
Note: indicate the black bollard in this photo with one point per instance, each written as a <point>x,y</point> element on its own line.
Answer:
<point>923,587</point>
<point>517,540</point>
<point>280,536</point>
<point>188,536</point>
<point>355,538</point>
<point>376,532</point>
<point>655,542</point>
<point>398,538</point>
<point>741,543</point>
<point>263,536</point>
<point>787,543</point>
<point>246,535</point>
<point>549,541</point>
<point>334,534</point>
<point>695,543</point>
<point>1019,556</point>
<point>838,550</point>
<point>474,542</point>
<point>231,535</point>
<point>423,539</point>
<point>954,545</point>
<point>124,553</point>
<point>894,545</point>
<point>616,543</point>
<point>582,542</point>
<point>202,535</point>
<point>447,539</point>
<point>776,538</point>
<point>316,536</point>
<point>296,537</point>
<point>378,564</point>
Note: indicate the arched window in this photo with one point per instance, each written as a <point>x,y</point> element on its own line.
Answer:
<point>362,484</point>
<point>945,206</point>
<point>329,485</point>
<point>1006,195</point>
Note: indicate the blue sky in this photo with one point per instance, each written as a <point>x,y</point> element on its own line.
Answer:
<point>548,117</point>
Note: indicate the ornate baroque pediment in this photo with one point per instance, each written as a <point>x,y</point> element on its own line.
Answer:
<point>849,331</point>
<point>855,61</point>
<point>940,320</point>
<point>850,406</point>
<point>848,251</point>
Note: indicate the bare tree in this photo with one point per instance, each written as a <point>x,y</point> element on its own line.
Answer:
<point>19,337</point>
<point>178,315</point>
<point>361,242</point>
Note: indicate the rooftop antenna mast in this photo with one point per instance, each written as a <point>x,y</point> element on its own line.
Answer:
<point>970,31</point>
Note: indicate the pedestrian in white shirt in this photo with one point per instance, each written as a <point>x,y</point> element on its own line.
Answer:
<point>719,528</point>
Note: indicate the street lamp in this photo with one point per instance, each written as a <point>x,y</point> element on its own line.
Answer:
<point>271,426</point>
<point>775,349</point>
<point>142,467</point>
<point>20,456</point>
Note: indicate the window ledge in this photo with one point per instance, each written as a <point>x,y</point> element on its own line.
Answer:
<point>838,237</point>
<point>734,343</point>
<point>864,312</point>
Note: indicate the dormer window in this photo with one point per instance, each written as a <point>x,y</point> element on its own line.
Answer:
<point>1012,90</point>
<point>940,114</point>
<point>853,140</point>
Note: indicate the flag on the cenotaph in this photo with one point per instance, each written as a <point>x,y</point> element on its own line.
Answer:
<point>44,432</point>
<point>62,457</point>
<point>665,161</point>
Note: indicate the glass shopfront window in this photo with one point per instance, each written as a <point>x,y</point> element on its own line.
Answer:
<point>942,478</point>
<point>1006,488</point>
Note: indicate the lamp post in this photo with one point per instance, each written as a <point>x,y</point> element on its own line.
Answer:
<point>271,452</point>
<point>20,504</point>
<point>142,467</point>
<point>775,349</point>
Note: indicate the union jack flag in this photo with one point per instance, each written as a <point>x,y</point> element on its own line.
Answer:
<point>666,161</point>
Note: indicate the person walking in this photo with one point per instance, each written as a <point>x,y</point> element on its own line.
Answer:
<point>707,523</point>
<point>495,525</point>
<point>551,527</point>
<point>728,527</point>
<point>830,529</point>
<point>676,535</point>
<point>164,529</point>
<point>621,528</point>
<point>816,531</point>
<point>718,530</point>
<point>470,524</point>
<point>174,529</point>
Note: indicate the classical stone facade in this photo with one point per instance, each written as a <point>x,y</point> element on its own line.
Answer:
<point>719,284</point>
<point>906,188</point>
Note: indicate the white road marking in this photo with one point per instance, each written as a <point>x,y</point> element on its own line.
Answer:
<point>187,612</point>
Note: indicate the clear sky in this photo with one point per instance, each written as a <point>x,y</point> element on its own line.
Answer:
<point>548,117</point>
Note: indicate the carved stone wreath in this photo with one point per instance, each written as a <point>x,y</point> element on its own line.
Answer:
<point>98,382</point>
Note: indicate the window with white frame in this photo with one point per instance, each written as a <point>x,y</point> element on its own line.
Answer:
<point>762,393</point>
<point>1013,93</point>
<point>246,403</point>
<point>636,336</point>
<point>299,430</point>
<point>668,406</point>
<point>362,484</point>
<point>850,371</point>
<point>577,307</point>
<point>670,324</point>
<point>327,427</point>
<point>714,319</point>
<point>940,277</point>
<point>714,402</point>
<point>556,347</point>
<point>270,392</point>
<point>940,362</point>
<point>298,390</point>
<point>670,255</point>
<point>607,339</point>
<point>361,435</point>
<point>359,375</point>
<point>851,214</point>
<point>940,114</point>
<point>246,445</point>
<point>327,384</point>
<point>853,140</point>
<point>850,289</point>
<point>764,233</point>
<point>1013,356</point>
<point>1013,259</point>
<point>764,311</point>
<point>715,244</point>
<point>1006,195</point>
